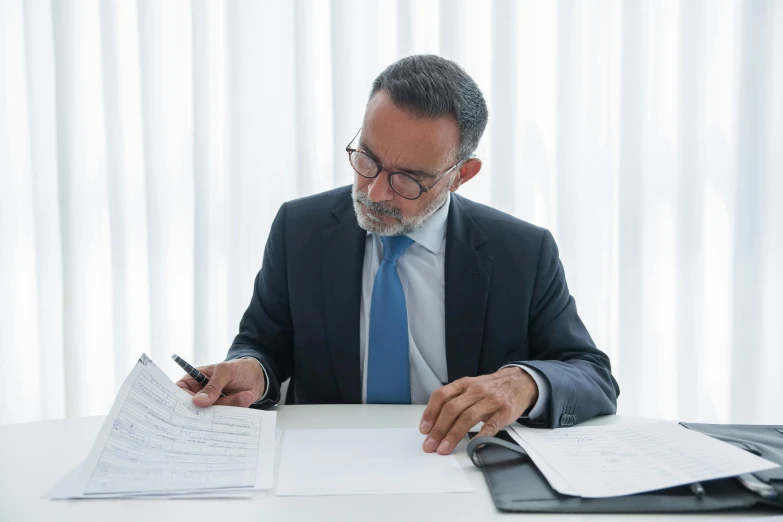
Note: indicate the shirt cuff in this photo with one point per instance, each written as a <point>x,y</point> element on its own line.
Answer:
<point>266,379</point>
<point>539,408</point>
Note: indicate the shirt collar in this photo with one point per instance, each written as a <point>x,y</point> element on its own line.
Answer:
<point>432,232</point>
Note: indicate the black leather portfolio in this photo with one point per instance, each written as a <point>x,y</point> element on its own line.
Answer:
<point>516,484</point>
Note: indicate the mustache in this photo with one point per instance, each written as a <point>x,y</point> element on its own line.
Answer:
<point>381,208</point>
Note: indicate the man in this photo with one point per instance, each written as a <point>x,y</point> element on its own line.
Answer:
<point>396,290</point>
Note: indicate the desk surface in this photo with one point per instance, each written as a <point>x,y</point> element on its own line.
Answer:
<point>34,456</point>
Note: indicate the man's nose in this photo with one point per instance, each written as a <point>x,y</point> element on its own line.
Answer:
<point>379,188</point>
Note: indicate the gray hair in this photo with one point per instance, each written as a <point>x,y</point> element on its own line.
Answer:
<point>430,86</point>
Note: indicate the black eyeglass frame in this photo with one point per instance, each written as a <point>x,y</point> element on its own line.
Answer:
<point>380,168</point>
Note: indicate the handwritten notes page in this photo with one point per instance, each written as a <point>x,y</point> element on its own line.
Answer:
<point>155,440</point>
<point>608,461</point>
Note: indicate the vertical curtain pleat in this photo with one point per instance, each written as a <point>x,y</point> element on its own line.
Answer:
<point>126,183</point>
<point>167,109</point>
<point>537,112</point>
<point>404,27</point>
<point>628,362</point>
<point>146,146</point>
<point>84,208</point>
<point>42,147</point>
<point>660,186</point>
<point>748,246</point>
<point>770,384</point>
<point>453,34</point>
<point>355,39</point>
<point>18,285</point>
<point>689,220</point>
<point>314,111</point>
<point>504,109</point>
<point>204,168</point>
<point>705,369</point>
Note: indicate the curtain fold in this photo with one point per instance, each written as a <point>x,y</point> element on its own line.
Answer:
<point>146,146</point>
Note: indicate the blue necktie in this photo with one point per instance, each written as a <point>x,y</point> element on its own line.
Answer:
<point>388,375</point>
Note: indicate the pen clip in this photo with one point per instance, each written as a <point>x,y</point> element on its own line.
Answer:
<point>698,490</point>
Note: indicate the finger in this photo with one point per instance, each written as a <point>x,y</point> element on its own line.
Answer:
<point>448,416</point>
<point>481,410</point>
<point>492,426</point>
<point>242,400</point>
<point>207,371</point>
<point>189,384</point>
<point>191,388</point>
<point>211,392</point>
<point>438,398</point>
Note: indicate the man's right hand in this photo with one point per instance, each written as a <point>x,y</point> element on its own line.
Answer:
<point>242,380</point>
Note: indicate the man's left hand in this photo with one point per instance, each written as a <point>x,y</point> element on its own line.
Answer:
<point>498,399</point>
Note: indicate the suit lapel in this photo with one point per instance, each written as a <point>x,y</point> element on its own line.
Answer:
<point>343,257</point>
<point>467,277</point>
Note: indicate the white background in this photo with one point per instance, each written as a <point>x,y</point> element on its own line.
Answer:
<point>145,147</point>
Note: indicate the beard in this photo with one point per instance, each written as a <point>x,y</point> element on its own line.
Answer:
<point>401,226</point>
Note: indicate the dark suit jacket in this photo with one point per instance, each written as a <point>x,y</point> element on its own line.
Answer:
<point>506,301</point>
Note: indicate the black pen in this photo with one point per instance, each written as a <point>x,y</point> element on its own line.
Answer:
<point>197,375</point>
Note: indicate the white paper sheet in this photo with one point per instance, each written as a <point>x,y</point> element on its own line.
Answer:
<point>607,461</point>
<point>372,461</point>
<point>155,440</point>
<point>553,477</point>
<point>67,488</point>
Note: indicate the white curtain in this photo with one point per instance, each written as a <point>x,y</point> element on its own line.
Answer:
<point>145,147</point>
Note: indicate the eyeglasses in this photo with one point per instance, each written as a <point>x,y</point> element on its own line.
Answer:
<point>401,182</point>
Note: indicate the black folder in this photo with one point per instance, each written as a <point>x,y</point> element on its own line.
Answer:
<point>517,485</point>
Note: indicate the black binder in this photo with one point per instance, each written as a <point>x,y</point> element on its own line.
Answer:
<point>516,484</point>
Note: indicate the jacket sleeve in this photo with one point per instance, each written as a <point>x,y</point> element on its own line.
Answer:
<point>266,329</point>
<point>579,374</point>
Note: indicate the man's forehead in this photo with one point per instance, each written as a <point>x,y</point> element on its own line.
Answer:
<point>394,134</point>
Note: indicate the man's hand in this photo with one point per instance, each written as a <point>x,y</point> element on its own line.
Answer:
<point>242,380</point>
<point>497,399</point>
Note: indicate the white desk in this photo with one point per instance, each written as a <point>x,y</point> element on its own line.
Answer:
<point>56,447</point>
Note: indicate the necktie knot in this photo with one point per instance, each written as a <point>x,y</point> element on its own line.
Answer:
<point>394,247</point>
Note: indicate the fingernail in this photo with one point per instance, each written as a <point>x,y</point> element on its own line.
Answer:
<point>430,444</point>
<point>444,447</point>
<point>202,395</point>
<point>424,427</point>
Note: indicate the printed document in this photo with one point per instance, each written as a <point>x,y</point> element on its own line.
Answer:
<point>156,441</point>
<point>608,461</point>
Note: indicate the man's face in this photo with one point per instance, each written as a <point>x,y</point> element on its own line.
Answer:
<point>402,142</point>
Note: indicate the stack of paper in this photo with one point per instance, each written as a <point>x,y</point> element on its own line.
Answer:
<point>155,442</point>
<point>608,461</point>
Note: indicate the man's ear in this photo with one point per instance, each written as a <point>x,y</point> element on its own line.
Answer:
<point>466,172</point>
